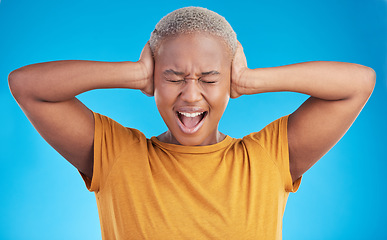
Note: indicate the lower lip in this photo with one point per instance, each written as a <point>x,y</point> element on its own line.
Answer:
<point>193,130</point>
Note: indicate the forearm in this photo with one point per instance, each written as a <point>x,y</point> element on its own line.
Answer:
<point>324,80</point>
<point>63,80</point>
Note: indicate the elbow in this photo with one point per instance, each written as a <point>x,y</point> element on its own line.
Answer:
<point>369,81</point>
<point>13,83</point>
<point>366,79</point>
<point>17,84</point>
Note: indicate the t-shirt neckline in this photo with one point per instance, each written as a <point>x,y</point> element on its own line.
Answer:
<point>193,149</point>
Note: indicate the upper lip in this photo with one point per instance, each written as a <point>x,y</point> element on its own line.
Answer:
<point>187,109</point>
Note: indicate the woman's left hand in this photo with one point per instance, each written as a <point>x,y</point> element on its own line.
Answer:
<point>238,68</point>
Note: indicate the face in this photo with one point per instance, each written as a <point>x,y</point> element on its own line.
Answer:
<point>192,87</point>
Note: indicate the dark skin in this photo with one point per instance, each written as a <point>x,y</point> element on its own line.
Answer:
<point>46,93</point>
<point>192,79</point>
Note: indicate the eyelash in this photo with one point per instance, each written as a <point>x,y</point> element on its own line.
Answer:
<point>182,80</point>
<point>175,81</point>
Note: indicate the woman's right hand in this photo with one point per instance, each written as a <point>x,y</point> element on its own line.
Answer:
<point>147,63</point>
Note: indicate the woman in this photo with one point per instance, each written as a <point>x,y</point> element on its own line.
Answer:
<point>191,182</point>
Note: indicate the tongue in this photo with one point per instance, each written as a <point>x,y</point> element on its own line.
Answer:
<point>190,122</point>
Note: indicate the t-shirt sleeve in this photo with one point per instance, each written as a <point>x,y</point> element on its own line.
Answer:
<point>109,139</point>
<point>274,139</point>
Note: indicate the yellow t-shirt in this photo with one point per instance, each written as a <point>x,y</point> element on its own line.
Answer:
<point>147,189</point>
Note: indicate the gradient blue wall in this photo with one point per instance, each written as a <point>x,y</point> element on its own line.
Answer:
<point>341,197</point>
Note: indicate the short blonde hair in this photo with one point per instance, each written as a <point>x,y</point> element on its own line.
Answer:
<point>191,20</point>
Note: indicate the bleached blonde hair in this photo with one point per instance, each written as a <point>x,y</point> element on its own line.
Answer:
<point>191,20</point>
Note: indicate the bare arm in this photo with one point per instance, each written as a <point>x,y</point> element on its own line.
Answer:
<point>338,93</point>
<point>46,93</point>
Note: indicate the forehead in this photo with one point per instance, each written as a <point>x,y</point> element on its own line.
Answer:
<point>200,49</point>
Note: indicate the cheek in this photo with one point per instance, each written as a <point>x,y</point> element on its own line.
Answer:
<point>219,97</point>
<point>165,95</point>
<point>162,92</point>
<point>160,98</point>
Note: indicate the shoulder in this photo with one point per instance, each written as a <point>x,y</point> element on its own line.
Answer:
<point>111,130</point>
<point>271,134</point>
<point>272,141</point>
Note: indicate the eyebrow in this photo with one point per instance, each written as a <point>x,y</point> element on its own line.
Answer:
<point>213,72</point>
<point>171,71</point>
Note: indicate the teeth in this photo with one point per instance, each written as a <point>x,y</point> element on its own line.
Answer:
<point>191,114</point>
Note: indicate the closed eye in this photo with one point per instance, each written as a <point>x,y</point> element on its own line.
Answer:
<point>209,82</point>
<point>175,81</point>
<point>211,79</point>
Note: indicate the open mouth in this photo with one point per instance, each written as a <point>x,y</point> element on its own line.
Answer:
<point>190,122</point>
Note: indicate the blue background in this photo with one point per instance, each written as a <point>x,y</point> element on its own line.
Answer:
<point>342,197</point>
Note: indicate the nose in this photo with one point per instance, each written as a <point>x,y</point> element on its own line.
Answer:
<point>191,92</point>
